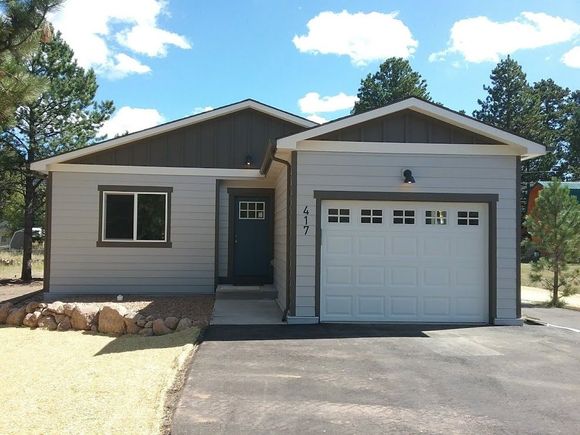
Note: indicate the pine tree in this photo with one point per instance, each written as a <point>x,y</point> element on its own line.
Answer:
<point>571,151</point>
<point>64,117</point>
<point>23,27</point>
<point>394,81</point>
<point>554,227</point>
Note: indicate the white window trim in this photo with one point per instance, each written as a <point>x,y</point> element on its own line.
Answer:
<point>135,210</point>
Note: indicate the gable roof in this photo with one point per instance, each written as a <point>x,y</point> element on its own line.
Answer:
<point>41,165</point>
<point>525,147</point>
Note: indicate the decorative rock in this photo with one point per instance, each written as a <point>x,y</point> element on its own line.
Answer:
<point>149,318</point>
<point>94,328</point>
<point>60,317</point>
<point>4,311</point>
<point>56,307</point>
<point>171,322</point>
<point>184,324</point>
<point>111,320</point>
<point>31,307</point>
<point>68,309</point>
<point>131,326</point>
<point>16,316</point>
<point>84,317</point>
<point>141,322</point>
<point>47,322</point>
<point>148,324</point>
<point>31,319</point>
<point>146,332</point>
<point>159,327</point>
<point>64,325</point>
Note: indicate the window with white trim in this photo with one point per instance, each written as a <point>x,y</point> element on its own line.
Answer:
<point>339,215</point>
<point>252,210</point>
<point>436,217</point>
<point>134,216</point>
<point>465,217</point>
<point>404,217</point>
<point>368,216</point>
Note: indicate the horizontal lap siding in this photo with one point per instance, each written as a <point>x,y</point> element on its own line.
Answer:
<point>78,266</point>
<point>382,173</point>
<point>280,218</point>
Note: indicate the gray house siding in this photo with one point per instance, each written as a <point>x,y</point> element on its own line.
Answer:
<point>382,173</point>
<point>406,126</point>
<point>78,266</point>
<point>280,237</point>
<point>222,142</point>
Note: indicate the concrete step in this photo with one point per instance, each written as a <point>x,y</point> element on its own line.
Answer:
<point>245,292</point>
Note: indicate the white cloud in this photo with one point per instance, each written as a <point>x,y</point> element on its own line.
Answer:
<point>572,58</point>
<point>317,118</point>
<point>312,102</point>
<point>479,39</point>
<point>100,31</point>
<point>201,109</point>
<point>130,119</point>
<point>361,36</point>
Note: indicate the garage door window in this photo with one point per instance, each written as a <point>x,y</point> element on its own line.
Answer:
<point>339,215</point>
<point>467,218</point>
<point>436,217</point>
<point>368,216</point>
<point>404,217</point>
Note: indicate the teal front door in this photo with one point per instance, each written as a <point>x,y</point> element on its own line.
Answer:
<point>253,246</point>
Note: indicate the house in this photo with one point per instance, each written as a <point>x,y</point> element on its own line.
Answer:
<point>535,190</point>
<point>406,213</point>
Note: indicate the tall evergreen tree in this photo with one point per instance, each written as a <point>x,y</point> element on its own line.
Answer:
<point>394,81</point>
<point>572,134</point>
<point>64,117</point>
<point>23,27</point>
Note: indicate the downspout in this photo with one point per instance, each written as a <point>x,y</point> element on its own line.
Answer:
<point>288,222</point>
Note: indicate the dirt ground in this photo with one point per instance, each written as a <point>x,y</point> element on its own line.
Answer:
<point>13,288</point>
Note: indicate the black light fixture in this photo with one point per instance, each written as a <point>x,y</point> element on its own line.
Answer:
<point>408,177</point>
<point>249,161</point>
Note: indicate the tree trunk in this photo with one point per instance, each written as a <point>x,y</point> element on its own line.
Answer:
<point>26,274</point>
<point>556,285</point>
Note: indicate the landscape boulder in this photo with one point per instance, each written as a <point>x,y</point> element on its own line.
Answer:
<point>171,322</point>
<point>131,323</point>
<point>47,322</point>
<point>64,324</point>
<point>16,316</point>
<point>68,309</point>
<point>60,317</point>
<point>159,327</point>
<point>146,332</point>
<point>4,311</point>
<point>31,307</point>
<point>184,324</point>
<point>83,317</point>
<point>56,307</point>
<point>31,319</point>
<point>111,320</point>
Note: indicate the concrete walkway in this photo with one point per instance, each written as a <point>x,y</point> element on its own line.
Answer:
<point>554,316</point>
<point>246,312</point>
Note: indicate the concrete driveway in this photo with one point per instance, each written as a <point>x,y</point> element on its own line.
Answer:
<point>365,379</point>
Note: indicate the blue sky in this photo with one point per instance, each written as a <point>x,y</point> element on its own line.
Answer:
<point>162,60</point>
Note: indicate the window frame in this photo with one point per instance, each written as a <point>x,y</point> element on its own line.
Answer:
<point>104,191</point>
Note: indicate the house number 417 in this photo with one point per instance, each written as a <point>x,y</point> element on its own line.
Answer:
<point>305,213</point>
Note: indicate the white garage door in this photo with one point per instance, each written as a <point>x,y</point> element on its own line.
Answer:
<point>404,262</point>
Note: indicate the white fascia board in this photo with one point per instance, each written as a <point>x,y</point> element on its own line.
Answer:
<point>407,148</point>
<point>153,131</point>
<point>155,170</point>
<point>527,147</point>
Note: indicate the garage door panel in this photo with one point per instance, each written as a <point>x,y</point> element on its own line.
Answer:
<point>404,305</point>
<point>419,271</point>
<point>436,306</point>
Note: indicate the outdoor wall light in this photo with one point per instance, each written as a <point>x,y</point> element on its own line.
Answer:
<point>408,177</point>
<point>249,160</point>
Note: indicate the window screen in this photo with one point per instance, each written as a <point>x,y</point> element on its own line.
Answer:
<point>119,217</point>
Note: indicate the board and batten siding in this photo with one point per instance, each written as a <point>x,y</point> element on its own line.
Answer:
<point>78,266</point>
<point>382,173</point>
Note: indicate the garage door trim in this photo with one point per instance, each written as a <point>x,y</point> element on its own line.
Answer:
<point>489,199</point>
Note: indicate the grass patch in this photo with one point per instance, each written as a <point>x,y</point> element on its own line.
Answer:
<point>75,382</point>
<point>526,268</point>
<point>11,264</point>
